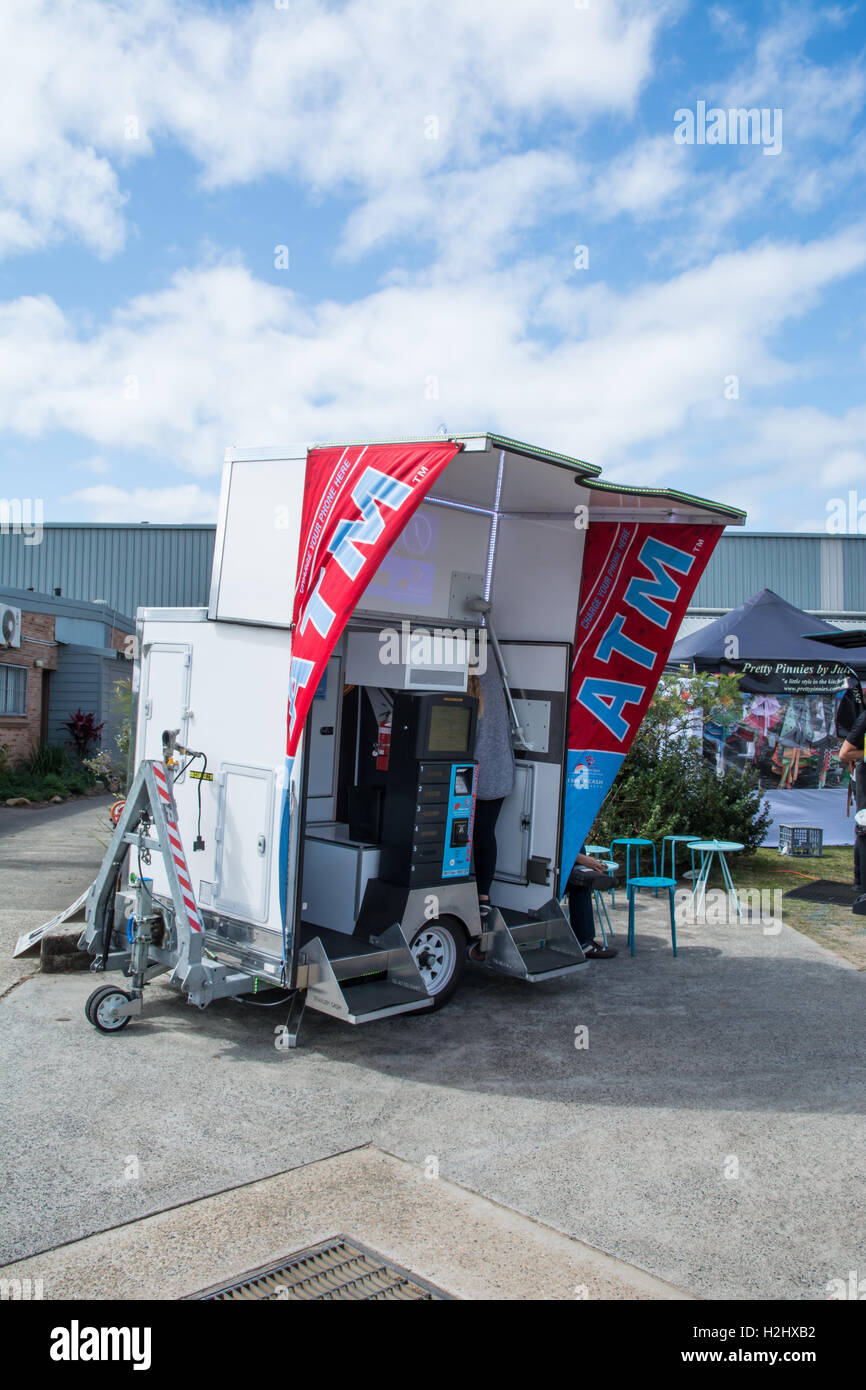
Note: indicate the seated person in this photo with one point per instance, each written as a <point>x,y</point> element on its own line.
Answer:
<point>580,907</point>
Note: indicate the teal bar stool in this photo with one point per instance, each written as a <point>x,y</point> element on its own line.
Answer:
<point>598,898</point>
<point>673,841</point>
<point>650,882</point>
<point>635,843</point>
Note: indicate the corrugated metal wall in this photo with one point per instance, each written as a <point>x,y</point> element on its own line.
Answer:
<point>169,566</point>
<point>85,680</point>
<point>128,566</point>
<point>742,565</point>
<point>854,564</point>
<point>76,684</point>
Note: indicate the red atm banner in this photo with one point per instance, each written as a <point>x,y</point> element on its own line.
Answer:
<point>356,502</point>
<point>638,579</point>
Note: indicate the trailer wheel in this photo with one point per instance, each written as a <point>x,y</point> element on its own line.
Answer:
<point>97,1007</point>
<point>91,1000</point>
<point>439,949</point>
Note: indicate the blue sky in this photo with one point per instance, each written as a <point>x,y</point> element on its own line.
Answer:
<point>431,168</point>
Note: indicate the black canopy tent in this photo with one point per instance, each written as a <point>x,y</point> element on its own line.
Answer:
<point>767,628</point>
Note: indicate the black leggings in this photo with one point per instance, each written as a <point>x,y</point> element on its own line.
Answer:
<point>484,843</point>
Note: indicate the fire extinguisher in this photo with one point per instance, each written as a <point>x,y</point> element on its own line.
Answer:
<point>383,746</point>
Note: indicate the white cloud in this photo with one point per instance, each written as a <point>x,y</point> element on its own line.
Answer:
<point>219,357</point>
<point>96,464</point>
<point>330,95</point>
<point>185,503</point>
<point>820,101</point>
<point>642,180</point>
<point>703,194</point>
<point>472,217</point>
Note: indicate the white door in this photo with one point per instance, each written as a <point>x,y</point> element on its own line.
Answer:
<point>165,695</point>
<point>514,826</point>
<point>244,841</point>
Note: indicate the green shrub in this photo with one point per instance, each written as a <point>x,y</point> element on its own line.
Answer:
<point>49,759</point>
<point>666,787</point>
<point>31,791</point>
<point>47,772</point>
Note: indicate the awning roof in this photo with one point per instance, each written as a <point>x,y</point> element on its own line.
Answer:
<point>476,487</point>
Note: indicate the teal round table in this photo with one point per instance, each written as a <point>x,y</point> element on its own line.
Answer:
<point>710,850</point>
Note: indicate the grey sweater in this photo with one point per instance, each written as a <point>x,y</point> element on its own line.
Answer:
<point>493,747</point>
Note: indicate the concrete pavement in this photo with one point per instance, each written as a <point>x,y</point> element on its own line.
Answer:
<point>710,1134</point>
<point>47,856</point>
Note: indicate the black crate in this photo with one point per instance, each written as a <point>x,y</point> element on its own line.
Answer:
<point>801,841</point>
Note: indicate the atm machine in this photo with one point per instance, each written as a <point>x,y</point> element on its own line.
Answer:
<point>430,792</point>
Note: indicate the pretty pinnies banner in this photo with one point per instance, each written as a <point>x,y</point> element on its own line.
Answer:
<point>357,500</point>
<point>638,580</point>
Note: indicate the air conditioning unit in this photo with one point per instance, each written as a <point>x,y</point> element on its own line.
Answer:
<point>10,627</point>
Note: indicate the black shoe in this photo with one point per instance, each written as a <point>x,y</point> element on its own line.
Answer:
<point>595,952</point>
<point>859,906</point>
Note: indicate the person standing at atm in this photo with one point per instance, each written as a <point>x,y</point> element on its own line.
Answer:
<point>494,753</point>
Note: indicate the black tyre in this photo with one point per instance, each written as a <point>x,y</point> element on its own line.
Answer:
<point>439,948</point>
<point>98,1009</point>
<point>91,1000</point>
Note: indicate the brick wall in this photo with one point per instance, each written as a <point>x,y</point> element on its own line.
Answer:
<point>37,629</point>
<point>121,641</point>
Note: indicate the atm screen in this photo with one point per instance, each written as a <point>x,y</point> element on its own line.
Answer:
<point>449,729</point>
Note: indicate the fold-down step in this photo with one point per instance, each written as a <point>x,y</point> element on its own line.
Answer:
<point>352,979</point>
<point>531,946</point>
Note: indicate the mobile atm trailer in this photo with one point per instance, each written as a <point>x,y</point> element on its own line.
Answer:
<point>249,855</point>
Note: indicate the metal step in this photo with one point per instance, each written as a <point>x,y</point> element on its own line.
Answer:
<point>380,999</point>
<point>534,946</point>
<point>338,945</point>
<point>357,981</point>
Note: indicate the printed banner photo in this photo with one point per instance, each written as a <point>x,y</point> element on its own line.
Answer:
<point>357,500</point>
<point>638,580</point>
<point>783,728</point>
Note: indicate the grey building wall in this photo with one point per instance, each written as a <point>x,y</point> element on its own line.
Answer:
<point>84,680</point>
<point>76,684</point>
<point>744,564</point>
<point>170,566</point>
<point>128,566</point>
<point>87,665</point>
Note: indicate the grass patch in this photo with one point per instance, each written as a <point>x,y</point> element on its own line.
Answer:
<point>836,928</point>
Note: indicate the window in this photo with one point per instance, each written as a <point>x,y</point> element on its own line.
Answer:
<point>13,690</point>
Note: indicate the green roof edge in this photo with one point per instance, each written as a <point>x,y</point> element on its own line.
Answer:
<point>670,493</point>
